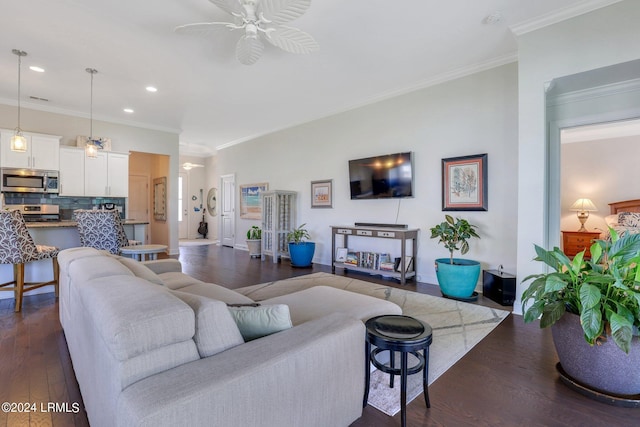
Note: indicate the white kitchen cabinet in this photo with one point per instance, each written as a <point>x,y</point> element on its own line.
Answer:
<point>71,171</point>
<point>106,175</point>
<point>118,174</point>
<point>42,151</point>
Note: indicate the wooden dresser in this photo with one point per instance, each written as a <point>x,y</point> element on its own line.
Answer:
<point>576,241</point>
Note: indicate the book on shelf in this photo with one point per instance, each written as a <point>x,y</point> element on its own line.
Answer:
<point>370,260</point>
<point>352,258</point>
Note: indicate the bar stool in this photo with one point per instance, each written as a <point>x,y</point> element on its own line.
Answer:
<point>18,248</point>
<point>101,229</point>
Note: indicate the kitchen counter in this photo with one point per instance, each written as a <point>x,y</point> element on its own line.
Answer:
<point>69,223</point>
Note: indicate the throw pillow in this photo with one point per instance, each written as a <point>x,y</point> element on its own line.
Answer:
<point>216,330</point>
<point>629,219</point>
<point>257,322</point>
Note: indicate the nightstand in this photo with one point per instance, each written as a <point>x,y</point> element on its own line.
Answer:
<point>577,241</point>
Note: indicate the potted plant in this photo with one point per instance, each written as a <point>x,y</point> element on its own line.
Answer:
<point>300,250</point>
<point>457,277</point>
<point>593,306</point>
<point>254,241</point>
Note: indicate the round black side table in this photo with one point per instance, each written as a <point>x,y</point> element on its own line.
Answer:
<point>404,334</point>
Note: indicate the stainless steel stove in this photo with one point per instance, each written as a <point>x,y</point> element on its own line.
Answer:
<point>38,213</point>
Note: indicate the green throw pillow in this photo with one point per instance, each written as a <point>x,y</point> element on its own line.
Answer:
<point>256,322</point>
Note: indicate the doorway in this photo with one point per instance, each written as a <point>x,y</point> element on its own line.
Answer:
<point>183,210</point>
<point>139,200</point>
<point>227,209</point>
<point>605,95</point>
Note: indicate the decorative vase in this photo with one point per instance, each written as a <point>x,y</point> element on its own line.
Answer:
<point>301,253</point>
<point>255,247</point>
<point>605,367</point>
<point>457,280</point>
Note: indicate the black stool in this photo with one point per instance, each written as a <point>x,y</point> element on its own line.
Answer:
<point>406,335</point>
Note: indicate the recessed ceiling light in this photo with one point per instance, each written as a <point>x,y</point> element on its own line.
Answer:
<point>128,110</point>
<point>36,69</point>
<point>151,89</point>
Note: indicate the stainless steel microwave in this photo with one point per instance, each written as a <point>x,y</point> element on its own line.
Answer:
<point>29,181</point>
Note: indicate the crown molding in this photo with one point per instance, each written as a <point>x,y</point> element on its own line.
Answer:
<point>434,81</point>
<point>72,113</point>
<point>559,16</point>
<point>595,92</point>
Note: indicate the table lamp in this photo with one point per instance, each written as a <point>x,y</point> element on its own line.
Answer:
<point>583,207</point>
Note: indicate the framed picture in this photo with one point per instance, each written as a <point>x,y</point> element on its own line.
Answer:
<point>322,194</point>
<point>250,206</point>
<point>341,254</point>
<point>464,183</point>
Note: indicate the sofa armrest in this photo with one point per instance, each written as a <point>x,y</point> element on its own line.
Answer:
<point>309,375</point>
<point>160,266</point>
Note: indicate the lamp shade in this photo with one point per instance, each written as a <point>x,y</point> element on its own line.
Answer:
<point>583,205</point>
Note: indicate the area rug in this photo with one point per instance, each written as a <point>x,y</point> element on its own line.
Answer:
<point>457,327</point>
<point>195,242</point>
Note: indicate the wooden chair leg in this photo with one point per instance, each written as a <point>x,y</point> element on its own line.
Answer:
<point>19,276</point>
<point>56,276</point>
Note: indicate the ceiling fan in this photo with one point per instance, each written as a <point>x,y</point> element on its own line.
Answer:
<point>260,19</point>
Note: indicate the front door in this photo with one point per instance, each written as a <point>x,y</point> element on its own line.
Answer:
<point>227,209</point>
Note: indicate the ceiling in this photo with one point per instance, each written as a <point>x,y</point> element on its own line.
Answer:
<point>369,50</point>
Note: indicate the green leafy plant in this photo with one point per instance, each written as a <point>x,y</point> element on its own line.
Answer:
<point>604,291</point>
<point>298,235</point>
<point>254,233</point>
<point>453,234</point>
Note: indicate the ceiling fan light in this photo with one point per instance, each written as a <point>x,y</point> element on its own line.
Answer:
<point>18,142</point>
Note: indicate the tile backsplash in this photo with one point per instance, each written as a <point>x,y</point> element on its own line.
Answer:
<point>67,204</point>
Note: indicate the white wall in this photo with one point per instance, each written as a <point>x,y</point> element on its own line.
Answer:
<point>472,115</point>
<point>212,180</point>
<point>604,37</point>
<point>123,138</point>
<point>601,171</point>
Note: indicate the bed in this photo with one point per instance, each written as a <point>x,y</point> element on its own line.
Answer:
<point>624,217</point>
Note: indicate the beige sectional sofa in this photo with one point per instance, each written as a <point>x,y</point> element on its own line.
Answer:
<point>152,346</point>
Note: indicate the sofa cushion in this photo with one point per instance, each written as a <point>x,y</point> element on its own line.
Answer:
<point>184,283</point>
<point>134,316</point>
<point>216,329</point>
<point>140,270</point>
<point>319,301</point>
<point>256,322</point>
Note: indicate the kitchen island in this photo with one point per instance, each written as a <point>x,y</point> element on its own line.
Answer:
<point>62,234</point>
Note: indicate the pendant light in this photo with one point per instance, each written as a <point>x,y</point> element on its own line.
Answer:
<point>18,141</point>
<point>91,149</point>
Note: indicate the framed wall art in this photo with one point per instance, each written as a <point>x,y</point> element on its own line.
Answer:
<point>322,194</point>
<point>464,183</point>
<point>250,207</point>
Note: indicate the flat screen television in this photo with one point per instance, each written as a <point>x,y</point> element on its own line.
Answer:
<point>382,177</point>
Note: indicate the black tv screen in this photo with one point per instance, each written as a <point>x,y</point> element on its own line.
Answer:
<point>382,177</point>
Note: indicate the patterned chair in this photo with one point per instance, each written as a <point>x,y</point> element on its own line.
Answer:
<point>101,229</point>
<point>17,248</point>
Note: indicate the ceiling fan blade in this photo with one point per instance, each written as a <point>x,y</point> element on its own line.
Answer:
<point>233,7</point>
<point>249,49</point>
<point>281,11</point>
<point>292,40</point>
<point>201,27</point>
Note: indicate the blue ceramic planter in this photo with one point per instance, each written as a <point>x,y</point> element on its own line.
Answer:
<point>301,253</point>
<point>457,280</point>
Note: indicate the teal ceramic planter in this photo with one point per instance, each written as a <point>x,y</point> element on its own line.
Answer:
<point>457,280</point>
<point>301,253</point>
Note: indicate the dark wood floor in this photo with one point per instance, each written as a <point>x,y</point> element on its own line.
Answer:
<point>508,379</point>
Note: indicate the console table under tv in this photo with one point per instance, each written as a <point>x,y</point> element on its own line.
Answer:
<point>406,269</point>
